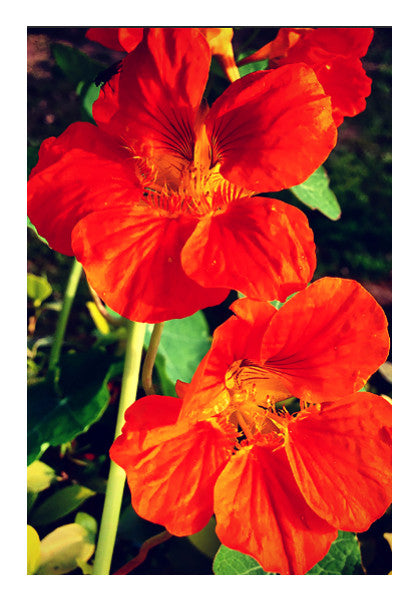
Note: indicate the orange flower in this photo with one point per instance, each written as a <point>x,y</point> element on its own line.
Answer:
<point>280,485</point>
<point>334,54</point>
<point>127,38</point>
<point>157,202</point>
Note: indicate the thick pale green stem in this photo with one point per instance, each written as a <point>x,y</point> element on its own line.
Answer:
<point>116,481</point>
<point>70,292</point>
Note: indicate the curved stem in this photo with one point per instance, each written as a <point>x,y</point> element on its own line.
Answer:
<point>116,481</point>
<point>150,359</point>
<point>142,554</point>
<point>70,292</point>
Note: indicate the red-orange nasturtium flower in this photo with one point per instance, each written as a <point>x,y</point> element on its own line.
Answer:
<point>127,38</point>
<point>334,54</point>
<point>156,201</point>
<point>280,485</point>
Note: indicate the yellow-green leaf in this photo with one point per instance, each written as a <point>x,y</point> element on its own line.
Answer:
<point>33,550</point>
<point>38,289</point>
<point>64,549</point>
<point>61,503</point>
<point>40,476</point>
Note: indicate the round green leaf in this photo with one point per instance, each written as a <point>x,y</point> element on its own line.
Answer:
<point>343,557</point>
<point>232,562</point>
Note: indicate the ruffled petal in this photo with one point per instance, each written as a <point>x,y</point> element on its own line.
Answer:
<point>81,171</point>
<point>260,246</point>
<point>343,41</point>
<point>341,459</point>
<point>123,39</point>
<point>172,481</point>
<point>260,511</point>
<point>272,129</point>
<point>326,341</point>
<point>346,82</point>
<point>146,423</point>
<point>106,36</point>
<point>154,101</point>
<point>132,259</point>
<point>334,53</point>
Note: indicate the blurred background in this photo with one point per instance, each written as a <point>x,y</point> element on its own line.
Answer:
<point>356,246</point>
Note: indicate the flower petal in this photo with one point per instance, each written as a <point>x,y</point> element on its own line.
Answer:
<point>346,82</point>
<point>235,339</point>
<point>260,511</point>
<point>327,340</point>
<point>272,129</point>
<point>154,101</point>
<point>341,459</point>
<point>132,259</point>
<point>344,41</point>
<point>260,246</point>
<point>172,481</point>
<point>334,53</point>
<point>116,38</point>
<point>81,171</point>
<point>220,43</point>
<point>145,421</point>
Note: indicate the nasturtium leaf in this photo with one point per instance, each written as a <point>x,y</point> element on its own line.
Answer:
<point>316,193</point>
<point>38,288</point>
<point>232,562</point>
<point>53,418</point>
<point>64,549</point>
<point>258,65</point>
<point>33,550</point>
<point>206,539</point>
<point>343,557</point>
<point>39,476</point>
<point>183,344</point>
<point>60,504</point>
<point>76,65</point>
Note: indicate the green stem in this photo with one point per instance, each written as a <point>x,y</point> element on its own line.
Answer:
<point>116,481</point>
<point>150,359</point>
<point>70,292</point>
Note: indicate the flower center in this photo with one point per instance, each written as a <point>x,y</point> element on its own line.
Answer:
<point>254,394</point>
<point>176,185</point>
